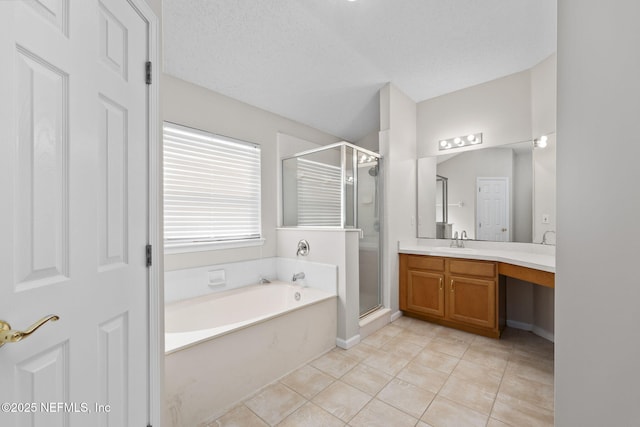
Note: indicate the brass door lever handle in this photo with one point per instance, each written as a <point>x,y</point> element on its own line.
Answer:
<point>9,335</point>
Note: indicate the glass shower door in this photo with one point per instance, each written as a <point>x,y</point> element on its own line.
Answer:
<point>368,220</point>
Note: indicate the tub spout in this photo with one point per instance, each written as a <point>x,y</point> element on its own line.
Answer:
<point>298,276</point>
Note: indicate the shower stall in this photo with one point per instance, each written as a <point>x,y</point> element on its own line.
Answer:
<point>339,186</point>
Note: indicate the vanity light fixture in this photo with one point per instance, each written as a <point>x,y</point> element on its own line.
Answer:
<point>460,141</point>
<point>540,142</point>
<point>366,159</point>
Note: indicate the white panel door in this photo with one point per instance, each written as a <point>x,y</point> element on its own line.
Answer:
<point>73,218</point>
<point>492,209</point>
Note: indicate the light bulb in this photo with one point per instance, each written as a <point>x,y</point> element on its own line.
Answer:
<point>471,138</point>
<point>542,142</point>
<point>458,141</point>
<point>443,143</point>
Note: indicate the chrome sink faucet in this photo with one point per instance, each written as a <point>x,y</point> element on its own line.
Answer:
<point>458,242</point>
<point>297,276</point>
<point>454,240</point>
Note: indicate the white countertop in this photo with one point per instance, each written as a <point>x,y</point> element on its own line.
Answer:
<point>531,255</point>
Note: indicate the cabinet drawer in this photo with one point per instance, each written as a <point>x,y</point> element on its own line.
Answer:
<point>472,268</point>
<point>425,262</point>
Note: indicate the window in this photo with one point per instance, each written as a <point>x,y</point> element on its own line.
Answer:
<point>211,189</point>
<point>319,194</point>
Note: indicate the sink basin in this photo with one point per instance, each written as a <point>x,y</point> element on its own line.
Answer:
<point>453,250</point>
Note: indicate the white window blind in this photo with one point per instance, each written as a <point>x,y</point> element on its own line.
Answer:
<point>211,187</point>
<point>319,196</point>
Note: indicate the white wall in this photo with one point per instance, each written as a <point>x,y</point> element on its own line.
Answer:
<point>515,108</point>
<point>398,148</point>
<point>597,349</point>
<point>543,96</point>
<point>462,172</point>
<point>511,109</point>
<point>543,122</point>
<point>191,105</point>
<point>523,197</point>
<point>426,196</point>
<point>371,141</point>
<point>544,190</point>
<point>520,308</point>
<point>336,247</point>
<point>500,109</point>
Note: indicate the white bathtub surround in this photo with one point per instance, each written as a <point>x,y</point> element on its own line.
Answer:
<point>189,322</point>
<point>317,275</point>
<point>529,307</point>
<point>194,282</point>
<point>204,380</point>
<point>338,247</point>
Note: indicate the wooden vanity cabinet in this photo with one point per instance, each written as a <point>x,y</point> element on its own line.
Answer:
<point>425,286</point>
<point>459,293</point>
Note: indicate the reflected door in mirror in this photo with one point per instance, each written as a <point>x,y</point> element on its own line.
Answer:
<point>493,209</point>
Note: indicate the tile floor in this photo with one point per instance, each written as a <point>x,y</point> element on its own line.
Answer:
<point>413,373</point>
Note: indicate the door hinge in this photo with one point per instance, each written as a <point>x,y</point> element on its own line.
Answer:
<point>148,255</point>
<point>147,68</point>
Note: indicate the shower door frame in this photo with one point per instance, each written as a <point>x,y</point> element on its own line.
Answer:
<point>381,219</point>
<point>343,195</point>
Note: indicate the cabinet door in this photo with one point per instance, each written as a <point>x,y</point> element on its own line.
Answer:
<point>472,301</point>
<point>425,292</point>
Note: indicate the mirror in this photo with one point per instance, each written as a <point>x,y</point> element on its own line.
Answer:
<point>496,193</point>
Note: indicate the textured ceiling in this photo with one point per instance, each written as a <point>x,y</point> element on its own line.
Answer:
<point>322,62</point>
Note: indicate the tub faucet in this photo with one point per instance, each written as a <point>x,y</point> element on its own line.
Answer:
<point>544,237</point>
<point>297,276</point>
<point>303,248</point>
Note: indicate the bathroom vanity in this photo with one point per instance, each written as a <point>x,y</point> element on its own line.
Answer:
<point>465,288</point>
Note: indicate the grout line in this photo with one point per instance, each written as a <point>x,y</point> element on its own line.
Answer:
<point>361,362</point>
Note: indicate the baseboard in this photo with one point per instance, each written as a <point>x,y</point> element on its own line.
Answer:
<point>533,328</point>
<point>347,344</point>
<point>543,333</point>
<point>520,325</point>
<point>395,316</point>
